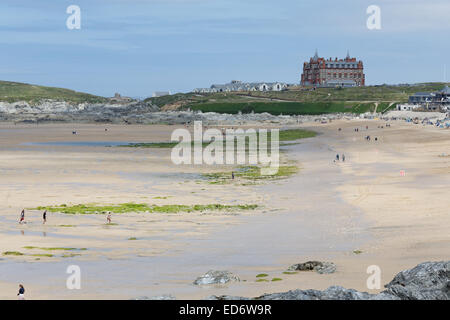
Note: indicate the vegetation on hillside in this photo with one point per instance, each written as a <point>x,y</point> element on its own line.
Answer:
<point>299,100</point>
<point>15,91</point>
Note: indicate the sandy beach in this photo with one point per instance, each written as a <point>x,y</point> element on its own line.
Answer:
<point>386,205</point>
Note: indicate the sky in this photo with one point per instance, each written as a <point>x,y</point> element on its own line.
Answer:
<point>136,47</point>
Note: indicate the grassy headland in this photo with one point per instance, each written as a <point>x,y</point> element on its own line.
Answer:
<point>15,91</point>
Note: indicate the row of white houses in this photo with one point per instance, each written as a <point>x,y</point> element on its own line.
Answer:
<point>236,85</point>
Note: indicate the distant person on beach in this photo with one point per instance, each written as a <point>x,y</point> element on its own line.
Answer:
<point>337,157</point>
<point>232,175</point>
<point>44,217</point>
<point>22,217</point>
<point>21,293</point>
<point>108,218</point>
<point>343,157</point>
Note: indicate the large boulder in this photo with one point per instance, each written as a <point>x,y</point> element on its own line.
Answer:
<point>426,281</point>
<point>216,277</point>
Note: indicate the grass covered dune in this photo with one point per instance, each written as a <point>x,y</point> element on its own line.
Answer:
<point>143,208</point>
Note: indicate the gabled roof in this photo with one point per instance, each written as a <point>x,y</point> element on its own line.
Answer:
<point>446,90</point>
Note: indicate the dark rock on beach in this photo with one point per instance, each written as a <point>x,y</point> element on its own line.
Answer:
<point>216,277</point>
<point>318,266</point>
<point>426,281</point>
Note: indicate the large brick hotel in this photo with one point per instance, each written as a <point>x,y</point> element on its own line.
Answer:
<point>336,72</point>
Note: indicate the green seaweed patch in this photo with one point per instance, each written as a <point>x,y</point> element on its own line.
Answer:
<point>290,272</point>
<point>284,135</point>
<point>12,253</point>
<point>67,225</point>
<point>357,251</point>
<point>140,208</point>
<point>296,134</point>
<point>262,275</point>
<point>276,279</point>
<point>251,174</point>
<point>262,280</point>
<point>160,145</point>
<point>70,255</point>
<point>132,238</point>
<point>47,255</point>
<point>54,248</point>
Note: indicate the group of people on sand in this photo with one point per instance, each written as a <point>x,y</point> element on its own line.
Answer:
<point>368,138</point>
<point>44,216</point>
<point>22,217</point>
<point>339,158</point>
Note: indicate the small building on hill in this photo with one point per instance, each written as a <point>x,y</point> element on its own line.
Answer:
<point>119,99</point>
<point>431,101</point>
<point>160,94</point>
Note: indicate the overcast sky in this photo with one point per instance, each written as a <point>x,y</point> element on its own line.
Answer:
<point>136,47</point>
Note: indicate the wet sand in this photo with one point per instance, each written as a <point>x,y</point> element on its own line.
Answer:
<point>324,212</point>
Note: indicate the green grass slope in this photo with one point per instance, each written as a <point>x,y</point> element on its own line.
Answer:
<point>15,91</point>
<point>298,100</point>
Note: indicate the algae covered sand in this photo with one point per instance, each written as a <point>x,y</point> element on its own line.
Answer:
<point>284,135</point>
<point>143,208</point>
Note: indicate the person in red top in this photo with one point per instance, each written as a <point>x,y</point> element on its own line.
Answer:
<point>22,217</point>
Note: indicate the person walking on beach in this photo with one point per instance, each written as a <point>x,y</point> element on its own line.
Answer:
<point>44,217</point>
<point>21,293</point>
<point>22,217</point>
<point>337,157</point>
<point>232,175</point>
<point>343,157</point>
<point>108,218</point>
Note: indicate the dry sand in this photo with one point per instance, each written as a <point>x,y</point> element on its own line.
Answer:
<point>324,212</point>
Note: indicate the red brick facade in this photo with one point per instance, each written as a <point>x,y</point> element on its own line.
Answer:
<point>333,72</point>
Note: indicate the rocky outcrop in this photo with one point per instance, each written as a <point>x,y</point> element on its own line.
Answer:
<point>216,277</point>
<point>140,112</point>
<point>429,280</point>
<point>318,266</point>
<point>48,110</point>
<point>404,115</point>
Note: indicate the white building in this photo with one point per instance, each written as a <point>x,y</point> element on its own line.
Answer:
<point>160,93</point>
<point>238,86</point>
<point>407,107</point>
